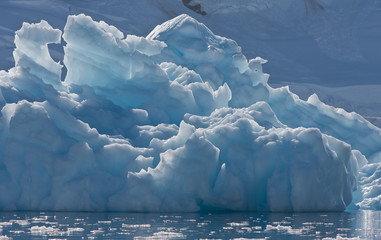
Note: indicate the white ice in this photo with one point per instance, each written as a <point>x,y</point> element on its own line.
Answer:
<point>177,121</point>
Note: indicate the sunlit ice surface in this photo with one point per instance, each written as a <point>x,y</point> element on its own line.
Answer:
<point>362,224</point>
<point>131,112</point>
<point>123,131</point>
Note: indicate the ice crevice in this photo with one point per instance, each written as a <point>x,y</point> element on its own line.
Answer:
<point>179,120</point>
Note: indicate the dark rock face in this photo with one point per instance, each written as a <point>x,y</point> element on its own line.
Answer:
<point>194,7</point>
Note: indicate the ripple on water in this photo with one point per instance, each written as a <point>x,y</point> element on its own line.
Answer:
<point>61,225</point>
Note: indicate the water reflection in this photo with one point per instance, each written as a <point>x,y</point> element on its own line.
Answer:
<point>80,225</point>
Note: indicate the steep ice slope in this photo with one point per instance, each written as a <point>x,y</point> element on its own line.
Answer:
<point>317,43</point>
<point>113,135</point>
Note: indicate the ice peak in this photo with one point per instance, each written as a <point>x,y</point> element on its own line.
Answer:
<point>182,24</point>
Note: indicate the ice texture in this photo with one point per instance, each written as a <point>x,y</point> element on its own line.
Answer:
<point>123,71</point>
<point>179,120</point>
<point>32,54</point>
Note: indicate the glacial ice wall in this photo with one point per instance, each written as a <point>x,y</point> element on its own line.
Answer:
<point>177,121</point>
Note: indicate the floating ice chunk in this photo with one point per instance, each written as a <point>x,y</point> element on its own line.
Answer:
<point>44,231</point>
<point>177,121</point>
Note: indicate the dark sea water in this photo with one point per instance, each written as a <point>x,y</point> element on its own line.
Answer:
<point>83,225</point>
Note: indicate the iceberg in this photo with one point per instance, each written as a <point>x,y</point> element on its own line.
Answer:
<point>179,120</point>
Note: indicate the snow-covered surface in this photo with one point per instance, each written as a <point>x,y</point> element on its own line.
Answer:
<point>178,121</point>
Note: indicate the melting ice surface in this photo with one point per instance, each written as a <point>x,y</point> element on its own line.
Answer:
<point>179,120</point>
